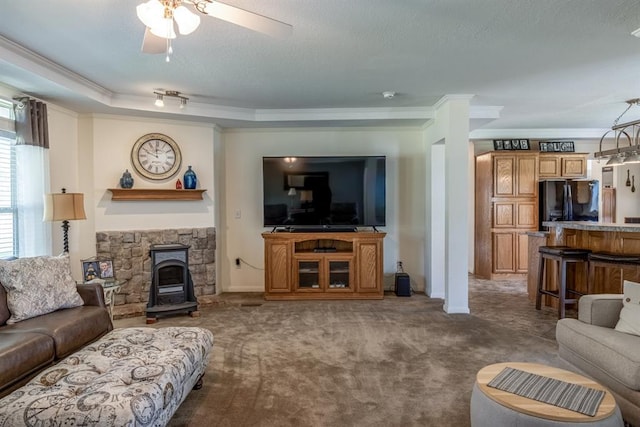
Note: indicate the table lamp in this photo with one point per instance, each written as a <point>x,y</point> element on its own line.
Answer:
<point>64,207</point>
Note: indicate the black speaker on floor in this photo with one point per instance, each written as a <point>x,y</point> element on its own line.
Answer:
<point>403,285</point>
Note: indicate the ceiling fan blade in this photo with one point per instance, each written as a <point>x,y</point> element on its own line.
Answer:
<point>152,43</point>
<point>246,19</point>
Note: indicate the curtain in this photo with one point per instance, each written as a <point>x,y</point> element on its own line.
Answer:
<point>32,177</point>
<point>31,123</point>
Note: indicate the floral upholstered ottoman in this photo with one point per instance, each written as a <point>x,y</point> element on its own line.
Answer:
<point>130,377</point>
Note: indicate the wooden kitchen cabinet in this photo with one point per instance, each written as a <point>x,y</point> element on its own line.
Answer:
<point>515,214</point>
<point>515,175</point>
<point>510,252</point>
<point>506,208</point>
<point>553,165</point>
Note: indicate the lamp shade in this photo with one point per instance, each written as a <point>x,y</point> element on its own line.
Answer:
<point>64,206</point>
<point>292,191</point>
<point>306,196</point>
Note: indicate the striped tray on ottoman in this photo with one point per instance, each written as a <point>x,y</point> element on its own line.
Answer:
<point>133,376</point>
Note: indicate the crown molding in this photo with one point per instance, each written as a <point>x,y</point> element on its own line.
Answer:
<point>19,56</point>
<point>582,133</point>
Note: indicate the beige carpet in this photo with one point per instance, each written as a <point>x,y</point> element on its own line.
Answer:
<point>395,362</point>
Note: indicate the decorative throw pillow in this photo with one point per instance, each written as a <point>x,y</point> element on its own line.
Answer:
<point>630,314</point>
<point>4,310</point>
<point>37,286</point>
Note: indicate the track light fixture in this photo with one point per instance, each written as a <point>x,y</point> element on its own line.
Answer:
<point>159,99</point>
<point>160,94</point>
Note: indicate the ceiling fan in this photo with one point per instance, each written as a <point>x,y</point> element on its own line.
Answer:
<point>159,17</point>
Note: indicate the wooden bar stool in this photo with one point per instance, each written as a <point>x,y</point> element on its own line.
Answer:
<point>611,260</point>
<point>564,255</point>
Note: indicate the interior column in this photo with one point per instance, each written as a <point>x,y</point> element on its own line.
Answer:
<point>451,126</point>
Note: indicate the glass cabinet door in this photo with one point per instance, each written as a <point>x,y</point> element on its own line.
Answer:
<point>339,274</point>
<point>308,275</point>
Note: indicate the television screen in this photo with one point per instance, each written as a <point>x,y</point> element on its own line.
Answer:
<point>324,191</point>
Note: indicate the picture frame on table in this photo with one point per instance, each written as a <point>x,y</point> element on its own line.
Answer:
<point>90,270</point>
<point>106,269</point>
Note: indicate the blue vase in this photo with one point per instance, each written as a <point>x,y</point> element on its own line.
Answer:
<point>190,179</point>
<point>127,180</point>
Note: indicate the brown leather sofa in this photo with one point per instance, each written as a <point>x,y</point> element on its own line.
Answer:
<point>30,345</point>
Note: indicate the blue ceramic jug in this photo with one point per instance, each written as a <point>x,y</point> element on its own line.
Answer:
<point>190,179</point>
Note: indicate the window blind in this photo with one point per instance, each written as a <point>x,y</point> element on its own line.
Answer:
<point>8,240</point>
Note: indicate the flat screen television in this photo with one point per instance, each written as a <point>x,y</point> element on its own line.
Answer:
<point>325,192</point>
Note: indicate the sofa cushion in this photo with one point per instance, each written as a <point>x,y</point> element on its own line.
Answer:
<point>37,286</point>
<point>630,314</point>
<point>70,329</point>
<point>21,354</point>
<point>4,310</point>
<point>615,352</point>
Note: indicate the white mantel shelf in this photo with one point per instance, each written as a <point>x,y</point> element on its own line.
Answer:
<point>139,194</point>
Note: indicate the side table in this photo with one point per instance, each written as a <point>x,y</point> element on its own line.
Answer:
<point>492,407</point>
<point>110,289</point>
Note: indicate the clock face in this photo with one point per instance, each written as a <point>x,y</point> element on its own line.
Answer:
<point>156,156</point>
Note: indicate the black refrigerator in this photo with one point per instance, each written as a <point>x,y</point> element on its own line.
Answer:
<point>568,200</point>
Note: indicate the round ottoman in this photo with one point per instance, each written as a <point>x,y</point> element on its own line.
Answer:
<point>491,407</point>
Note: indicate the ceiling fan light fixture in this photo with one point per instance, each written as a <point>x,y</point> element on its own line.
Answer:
<point>187,21</point>
<point>164,29</point>
<point>150,13</point>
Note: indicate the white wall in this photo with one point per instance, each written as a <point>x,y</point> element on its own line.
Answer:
<point>112,140</point>
<point>243,151</point>
<point>89,153</point>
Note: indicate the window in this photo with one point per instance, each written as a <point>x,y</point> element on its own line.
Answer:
<point>23,233</point>
<point>8,238</point>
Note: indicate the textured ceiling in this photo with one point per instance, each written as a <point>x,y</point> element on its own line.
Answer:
<point>549,63</point>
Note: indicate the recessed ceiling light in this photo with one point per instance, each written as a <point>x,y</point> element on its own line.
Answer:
<point>388,94</point>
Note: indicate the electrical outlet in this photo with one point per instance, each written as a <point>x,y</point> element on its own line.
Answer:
<point>237,214</point>
<point>238,263</point>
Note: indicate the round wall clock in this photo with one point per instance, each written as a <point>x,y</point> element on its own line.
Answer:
<point>156,156</point>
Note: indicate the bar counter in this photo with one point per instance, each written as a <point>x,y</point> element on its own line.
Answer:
<point>593,226</point>
<point>597,236</point>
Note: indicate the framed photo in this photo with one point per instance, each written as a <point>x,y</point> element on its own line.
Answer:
<point>524,144</point>
<point>90,270</point>
<point>106,269</point>
<point>498,144</point>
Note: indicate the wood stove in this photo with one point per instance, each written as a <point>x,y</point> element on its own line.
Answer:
<point>171,289</point>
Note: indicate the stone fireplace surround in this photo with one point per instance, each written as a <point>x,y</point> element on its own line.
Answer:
<point>129,251</point>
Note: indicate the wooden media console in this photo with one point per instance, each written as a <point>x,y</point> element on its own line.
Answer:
<point>325,265</point>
